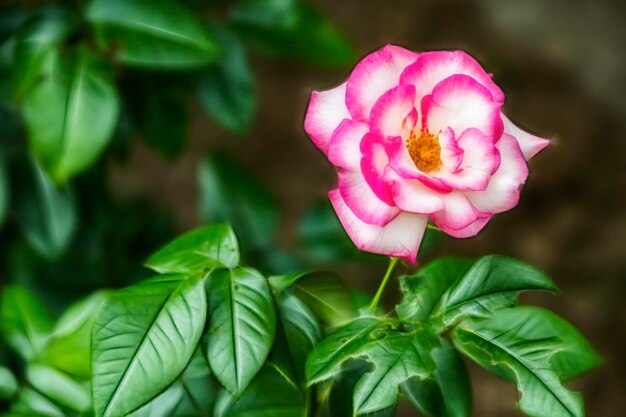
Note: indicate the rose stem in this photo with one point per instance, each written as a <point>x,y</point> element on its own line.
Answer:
<point>392,265</point>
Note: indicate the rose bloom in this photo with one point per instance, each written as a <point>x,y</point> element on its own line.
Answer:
<point>417,137</point>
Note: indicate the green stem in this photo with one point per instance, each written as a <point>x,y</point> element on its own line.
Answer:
<point>381,289</point>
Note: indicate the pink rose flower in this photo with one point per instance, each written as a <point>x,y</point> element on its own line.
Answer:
<point>417,137</point>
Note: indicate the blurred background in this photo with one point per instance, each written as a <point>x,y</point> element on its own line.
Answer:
<point>191,142</point>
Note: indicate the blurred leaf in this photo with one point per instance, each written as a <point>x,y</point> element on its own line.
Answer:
<point>59,387</point>
<point>242,326</point>
<point>32,404</point>
<point>69,348</point>
<point>297,333</point>
<point>423,290</point>
<point>41,33</point>
<point>144,338</point>
<point>4,190</point>
<point>491,283</point>
<point>24,322</point>
<point>269,395</point>
<point>11,18</point>
<point>163,120</point>
<point>520,352</point>
<point>230,193</point>
<point>70,113</point>
<point>325,293</point>
<point>266,13</point>
<point>46,214</point>
<point>158,34</point>
<point>202,248</point>
<point>226,90</point>
<point>8,384</point>
<point>310,37</point>
<point>448,393</point>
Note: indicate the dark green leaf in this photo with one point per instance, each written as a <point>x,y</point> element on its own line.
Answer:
<point>46,214</point>
<point>59,387</point>
<point>309,36</point>
<point>200,249</point>
<point>514,346</point>
<point>242,326</point>
<point>24,322</point>
<point>4,190</point>
<point>269,395</point>
<point>325,293</point>
<point>230,193</point>
<point>8,384</point>
<point>70,113</point>
<point>448,393</point>
<point>43,31</point>
<point>69,348</point>
<point>226,90</point>
<point>143,339</point>
<point>271,14</point>
<point>422,291</point>
<point>492,282</point>
<point>159,34</point>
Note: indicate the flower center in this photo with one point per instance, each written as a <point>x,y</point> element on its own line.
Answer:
<point>425,151</point>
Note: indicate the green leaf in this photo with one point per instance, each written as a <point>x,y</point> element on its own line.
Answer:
<point>226,90</point>
<point>30,403</point>
<point>202,248</point>
<point>422,291</point>
<point>41,33</point>
<point>308,36</point>
<point>160,34</point>
<point>297,333</point>
<point>242,326</point>
<point>448,393</point>
<point>70,113</point>
<point>46,214</point>
<point>163,405</point>
<point>491,283</point>
<point>8,384</point>
<point>325,293</point>
<point>69,348</point>
<point>265,13</point>
<point>230,193</point>
<point>510,345</point>
<point>59,387</point>
<point>200,389</point>
<point>269,395</point>
<point>4,191</point>
<point>143,339</point>
<point>24,322</point>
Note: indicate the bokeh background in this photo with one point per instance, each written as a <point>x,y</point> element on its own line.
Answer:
<point>561,65</point>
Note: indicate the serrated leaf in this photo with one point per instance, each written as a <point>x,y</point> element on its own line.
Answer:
<point>59,387</point>
<point>8,384</point>
<point>513,349</point>
<point>24,322</point>
<point>46,213</point>
<point>226,90</point>
<point>325,293</point>
<point>199,249</point>
<point>491,283</point>
<point>143,339</point>
<point>422,291</point>
<point>242,326</point>
<point>159,34</point>
<point>448,392</point>
<point>71,112</point>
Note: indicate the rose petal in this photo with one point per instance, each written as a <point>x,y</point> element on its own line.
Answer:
<point>413,196</point>
<point>326,110</point>
<point>375,74</point>
<point>530,144</point>
<point>391,111</point>
<point>401,237</point>
<point>363,202</point>
<point>471,230</point>
<point>460,102</point>
<point>502,193</point>
<point>432,67</point>
<point>373,164</point>
<point>457,212</point>
<point>343,150</point>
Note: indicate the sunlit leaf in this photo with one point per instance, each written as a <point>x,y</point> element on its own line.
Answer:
<point>200,249</point>
<point>143,339</point>
<point>242,326</point>
<point>24,322</point>
<point>226,90</point>
<point>159,34</point>
<point>59,387</point>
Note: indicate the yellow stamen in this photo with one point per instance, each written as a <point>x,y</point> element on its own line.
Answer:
<point>425,151</point>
